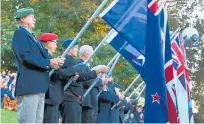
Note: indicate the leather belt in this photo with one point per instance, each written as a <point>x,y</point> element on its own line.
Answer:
<point>78,97</point>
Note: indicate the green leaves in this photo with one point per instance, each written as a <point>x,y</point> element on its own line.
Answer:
<point>65,18</point>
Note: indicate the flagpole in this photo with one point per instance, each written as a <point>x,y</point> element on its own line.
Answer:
<point>135,90</point>
<point>173,35</point>
<point>101,43</point>
<point>141,92</point>
<point>113,66</point>
<point>95,14</point>
<point>128,88</point>
<point>99,76</point>
<point>91,56</point>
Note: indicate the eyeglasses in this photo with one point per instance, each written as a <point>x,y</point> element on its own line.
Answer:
<point>54,41</point>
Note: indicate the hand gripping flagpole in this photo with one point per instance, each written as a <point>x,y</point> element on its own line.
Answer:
<point>95,14</point>
<point>135,90</point>
<point>128,88</point>
<point>91,56</point>
<point>99,76</point>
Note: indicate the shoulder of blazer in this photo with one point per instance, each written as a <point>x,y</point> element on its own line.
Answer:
<point>28,34</point>
<point>69,59</point>
<point>23,30</point>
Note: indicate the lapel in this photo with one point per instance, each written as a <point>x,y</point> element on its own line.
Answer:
<point>42,49</point>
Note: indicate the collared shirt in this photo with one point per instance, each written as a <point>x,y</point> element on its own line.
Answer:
<point>27,29</point>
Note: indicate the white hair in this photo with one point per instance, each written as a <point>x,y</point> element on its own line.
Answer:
<point>84,49</point>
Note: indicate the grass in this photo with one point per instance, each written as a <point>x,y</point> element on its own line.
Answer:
<point>8,116</point>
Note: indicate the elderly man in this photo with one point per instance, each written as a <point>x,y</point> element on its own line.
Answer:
<point>33,63</point>
<point>90,103</point>
<point>71,107</point>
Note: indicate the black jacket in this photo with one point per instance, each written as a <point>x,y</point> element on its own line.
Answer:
<point>32,61</point>
<point>91,100</point>
<point>106,100</point>
<point>55,91</point>
<point>77,88</point>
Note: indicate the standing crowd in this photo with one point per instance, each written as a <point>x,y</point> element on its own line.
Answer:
<point>44,99</point>
<point>7,85</point>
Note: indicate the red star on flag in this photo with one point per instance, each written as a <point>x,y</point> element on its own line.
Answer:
<point>156,98</point>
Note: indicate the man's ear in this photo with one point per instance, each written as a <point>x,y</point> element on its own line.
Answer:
<point>22,19</point>
<point>47,43</point>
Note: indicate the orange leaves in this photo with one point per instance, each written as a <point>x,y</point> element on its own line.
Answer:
<point>100,27</point>
<point>33,2</point>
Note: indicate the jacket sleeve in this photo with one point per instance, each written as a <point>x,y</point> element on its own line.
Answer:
<point>84,76</point>
<point>108,97</point>
<point>68,72</point>
<point>125,106</point>
<point>88,83</point>
<point>27,56</point>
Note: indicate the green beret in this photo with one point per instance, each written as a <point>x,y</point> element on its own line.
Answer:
<point>23,12</point>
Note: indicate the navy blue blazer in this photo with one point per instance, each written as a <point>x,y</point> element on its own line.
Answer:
<point>32,61</point>
<point>106,100</point>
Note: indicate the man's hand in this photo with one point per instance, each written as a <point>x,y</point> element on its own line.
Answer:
<point>128,99</point>
<point>74,78</point>
<point>104,81</point>
<point>56,62</point>
<point>101,69</point>
<point>61,61</point>
<point>117,90</point>
<point>121,97</point>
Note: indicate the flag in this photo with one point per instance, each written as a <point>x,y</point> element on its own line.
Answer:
<point>173,115</point>
<point>156,109</point>
<point>182,81</point>
<point>139,25</point>
<point>130,53</point>
<point>128,18</point>
<point>141,29</point>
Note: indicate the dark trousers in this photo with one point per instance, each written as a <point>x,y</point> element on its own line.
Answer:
<point>89,115</point>
<point>71,112</point>
<point>51,114</point>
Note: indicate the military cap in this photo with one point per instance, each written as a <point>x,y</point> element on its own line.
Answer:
<point>23,12</point>
<point>47,37</point>
<point>67,42</point>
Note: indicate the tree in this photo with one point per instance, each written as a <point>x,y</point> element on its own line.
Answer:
<point>65,18</point>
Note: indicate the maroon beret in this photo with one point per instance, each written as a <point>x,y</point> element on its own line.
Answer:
<point>47,37</point>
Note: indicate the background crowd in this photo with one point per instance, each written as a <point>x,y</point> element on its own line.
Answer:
<point>7,85</point>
